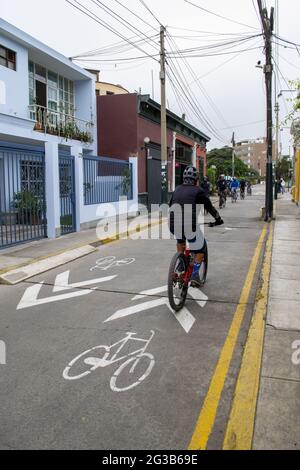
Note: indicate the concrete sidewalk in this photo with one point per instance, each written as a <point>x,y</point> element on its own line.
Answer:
<point>26,260</point>
<point>277,420</point>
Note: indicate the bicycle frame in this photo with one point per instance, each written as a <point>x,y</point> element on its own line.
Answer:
<point>189,271</point>
<point>122,343</point>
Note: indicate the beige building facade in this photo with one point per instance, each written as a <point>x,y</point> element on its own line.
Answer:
<point>253,152</point>
<point>104,88</point>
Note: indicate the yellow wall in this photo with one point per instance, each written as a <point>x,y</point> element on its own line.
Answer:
<point>103,88</point>
<point>297,177</point>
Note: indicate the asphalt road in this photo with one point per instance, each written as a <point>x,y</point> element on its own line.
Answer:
<point>49,320</point>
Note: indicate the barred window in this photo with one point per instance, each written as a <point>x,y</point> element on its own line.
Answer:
<point>32,176</point>
<point>7,58</point>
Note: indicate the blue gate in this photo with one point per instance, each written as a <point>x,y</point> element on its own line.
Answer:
<point>22,195</point>
<point>67,194</point>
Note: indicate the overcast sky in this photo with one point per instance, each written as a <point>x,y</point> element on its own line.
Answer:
<point>230,93</point>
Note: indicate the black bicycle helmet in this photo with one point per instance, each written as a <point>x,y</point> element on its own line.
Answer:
<point>190,174</point>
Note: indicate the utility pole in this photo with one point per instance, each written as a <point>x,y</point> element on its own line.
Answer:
<point>233,156</point>
<point>277,148</point>
<point>268,26</point>
<point>163,111</point>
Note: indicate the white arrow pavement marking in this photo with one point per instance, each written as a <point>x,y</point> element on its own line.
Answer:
<point>30,299</point>
<point>30,295</point>
<point>184,317</point>
<point>125,312</point>
<point>199,296</point>
<point>145,293</point>
<point>62,282</point>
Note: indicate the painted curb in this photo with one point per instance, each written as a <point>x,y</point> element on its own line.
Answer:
<point>22,272</point>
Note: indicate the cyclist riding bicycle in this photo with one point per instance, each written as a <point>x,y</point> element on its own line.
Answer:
<point>222,189</point>
<point>205,185</point>
<point>183,223</point>
<point>235,184</point>
<point>243,187</point>
<point>249,188</point>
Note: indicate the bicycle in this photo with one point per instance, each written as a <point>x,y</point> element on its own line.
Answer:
<point>132,359</point>
<point>234,196</point>
<point>222,200</point>
<point>180,272</point>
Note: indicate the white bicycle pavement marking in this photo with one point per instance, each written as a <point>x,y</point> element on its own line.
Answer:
<point>131,359</point>
<point>110,261</point>
<point>30,296</point>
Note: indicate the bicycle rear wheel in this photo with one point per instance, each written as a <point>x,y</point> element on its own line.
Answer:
<point>177,289</point>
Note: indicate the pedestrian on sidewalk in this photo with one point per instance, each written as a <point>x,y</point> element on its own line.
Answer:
<point>282,185</point>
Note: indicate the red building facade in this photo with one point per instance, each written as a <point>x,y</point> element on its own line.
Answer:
<point>129,125</point>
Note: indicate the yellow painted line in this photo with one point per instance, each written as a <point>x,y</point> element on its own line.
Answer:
<point>209,409</point>
<point>240,427</point>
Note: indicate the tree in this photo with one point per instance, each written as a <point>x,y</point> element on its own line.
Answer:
<point>222,160</point>
<point>284,167</point>
<point>293,116</point>
<point>211,175</point>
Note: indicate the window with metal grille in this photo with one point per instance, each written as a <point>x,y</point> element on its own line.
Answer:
<point>7,58</point>
<point>32,176</point>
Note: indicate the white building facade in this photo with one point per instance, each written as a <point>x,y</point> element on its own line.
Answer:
<point>50,177</point>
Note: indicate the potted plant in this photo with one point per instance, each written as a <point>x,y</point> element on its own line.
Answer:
<point>29,207</point>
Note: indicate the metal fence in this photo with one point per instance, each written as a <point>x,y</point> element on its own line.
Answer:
<point>106,180</point>
<point>22,196</point>
<point>67,194</point>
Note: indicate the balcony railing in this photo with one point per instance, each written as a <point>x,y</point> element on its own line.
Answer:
<point>60,124</point>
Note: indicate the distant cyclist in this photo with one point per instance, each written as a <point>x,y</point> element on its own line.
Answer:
<point>234,186</point>
<point>249,188</point>
<point>205,185</point>
<point>222,190</point>
<point>243,187</point>
<point>188,196</point>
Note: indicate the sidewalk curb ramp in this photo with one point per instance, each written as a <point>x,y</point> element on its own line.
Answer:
<point>22,272</point>
<point>15,276</point>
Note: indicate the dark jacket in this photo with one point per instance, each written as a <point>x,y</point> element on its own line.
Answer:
<point>188,197</point>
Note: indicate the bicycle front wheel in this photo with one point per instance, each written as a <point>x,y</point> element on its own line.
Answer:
<point>177,289</point>
<point>204,267</point>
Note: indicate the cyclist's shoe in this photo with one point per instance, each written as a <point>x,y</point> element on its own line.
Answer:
<point>217,222</point>
<point>195,281</point>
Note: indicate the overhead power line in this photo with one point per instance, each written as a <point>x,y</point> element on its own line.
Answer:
<point>219,16</point>
<point>115,48</point>
<point>123,21</point>
<point>83,9</point>
<point>133,13</point>
<point>150,11</point>
<point>287,41</point>
<point>193,103</point>
<point>201,88</point>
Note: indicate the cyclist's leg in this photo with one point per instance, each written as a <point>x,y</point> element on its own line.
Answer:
<point>199,258</point>
<point>181,245</point>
